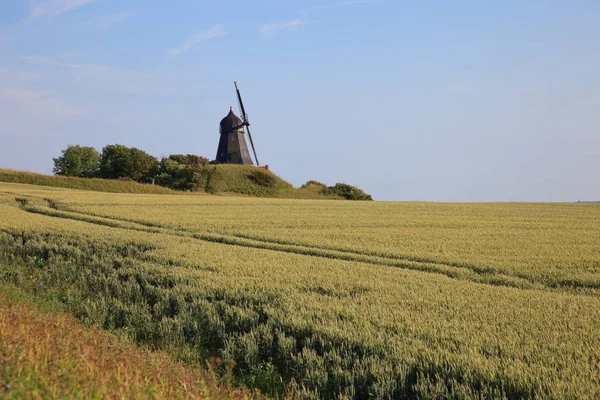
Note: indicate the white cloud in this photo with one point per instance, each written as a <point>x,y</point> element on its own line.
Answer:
<point>291,25</point>
<point>53,8</point>
<point>210,33</point>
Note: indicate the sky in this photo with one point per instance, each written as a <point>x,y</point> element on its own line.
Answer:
<point>408,100</point>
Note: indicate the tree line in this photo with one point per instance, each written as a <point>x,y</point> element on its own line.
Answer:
<point>177,171</point>
<point>116,161</point>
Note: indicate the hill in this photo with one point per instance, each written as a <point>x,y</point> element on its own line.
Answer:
<point>98,185</point>
<point>242,179</point>
<point>213,179</point>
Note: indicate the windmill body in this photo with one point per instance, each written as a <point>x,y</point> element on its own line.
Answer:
<point>232,144</point>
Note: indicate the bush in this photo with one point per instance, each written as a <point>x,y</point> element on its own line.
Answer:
<point>313,183</point>
<point>189,159</point>
<point>263,178</point>
<point>346,191</point>
<point>181,172</point>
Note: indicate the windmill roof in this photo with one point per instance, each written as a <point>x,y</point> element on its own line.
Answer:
<point>230,122</point>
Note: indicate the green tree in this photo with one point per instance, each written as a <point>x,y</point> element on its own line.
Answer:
<point>118,161</point>
<point>140,165</point>
<point>113,161</point>
<point>80,161</point>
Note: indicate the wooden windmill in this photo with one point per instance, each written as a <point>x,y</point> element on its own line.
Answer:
<point>232,144</point>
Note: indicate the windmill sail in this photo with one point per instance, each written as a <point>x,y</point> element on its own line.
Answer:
<point>245,121</point>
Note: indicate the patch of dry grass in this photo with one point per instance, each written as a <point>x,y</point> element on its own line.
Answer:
<point>52,355</point>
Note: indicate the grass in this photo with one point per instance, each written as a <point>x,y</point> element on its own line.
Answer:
<point>321,299</point>
<point>99,185</point>
<point>45,353</point>
<point>257,182</point>
<point>243,179</point>
<point>216,179</point>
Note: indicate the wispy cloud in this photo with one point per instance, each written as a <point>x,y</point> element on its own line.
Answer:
<point>10,76</point>
<point>106,21</point>
<point>22,99</point>
<point>353,2</point>
<point>291,25</point>
<point>52,8</point>
<point>210,33</point>
<point>338,3</point>
<point>42,103</point>
<point>50,61</point>
<point>105,78</point>
<point>486,88</point>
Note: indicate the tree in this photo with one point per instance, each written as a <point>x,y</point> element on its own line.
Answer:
<point>113,161</point>
<point>80,161</point>
<point>118,161</point>
<point>140,164</point>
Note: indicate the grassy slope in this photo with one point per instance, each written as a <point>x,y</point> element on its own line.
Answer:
<point>238,179</point>
<point>217,179</point>
<point>99,185</point>
<point>45,353</point>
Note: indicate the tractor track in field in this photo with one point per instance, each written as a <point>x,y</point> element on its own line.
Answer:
<point>478,274</point>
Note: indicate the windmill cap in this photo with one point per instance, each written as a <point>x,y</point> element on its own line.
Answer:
<point>231,122</point>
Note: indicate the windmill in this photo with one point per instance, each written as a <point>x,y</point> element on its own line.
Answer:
<point>232,144</point>
<point>245,121</point>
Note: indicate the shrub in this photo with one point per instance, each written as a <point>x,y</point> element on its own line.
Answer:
<point>189,159</point>
<point>314,183</point>
<point>346,191</point>
<point>263,178</point>
<point>181,172</point>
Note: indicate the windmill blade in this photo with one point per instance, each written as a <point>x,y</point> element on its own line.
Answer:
<point>245,120</point>
<point>241,105</point>
<point>252,144</point>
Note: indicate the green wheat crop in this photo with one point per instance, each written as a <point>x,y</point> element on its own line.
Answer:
<point>322,299</point>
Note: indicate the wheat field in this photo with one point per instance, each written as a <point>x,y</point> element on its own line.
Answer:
<point>328,299</point>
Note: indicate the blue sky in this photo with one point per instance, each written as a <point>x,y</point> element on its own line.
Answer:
<point>421,100</point>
